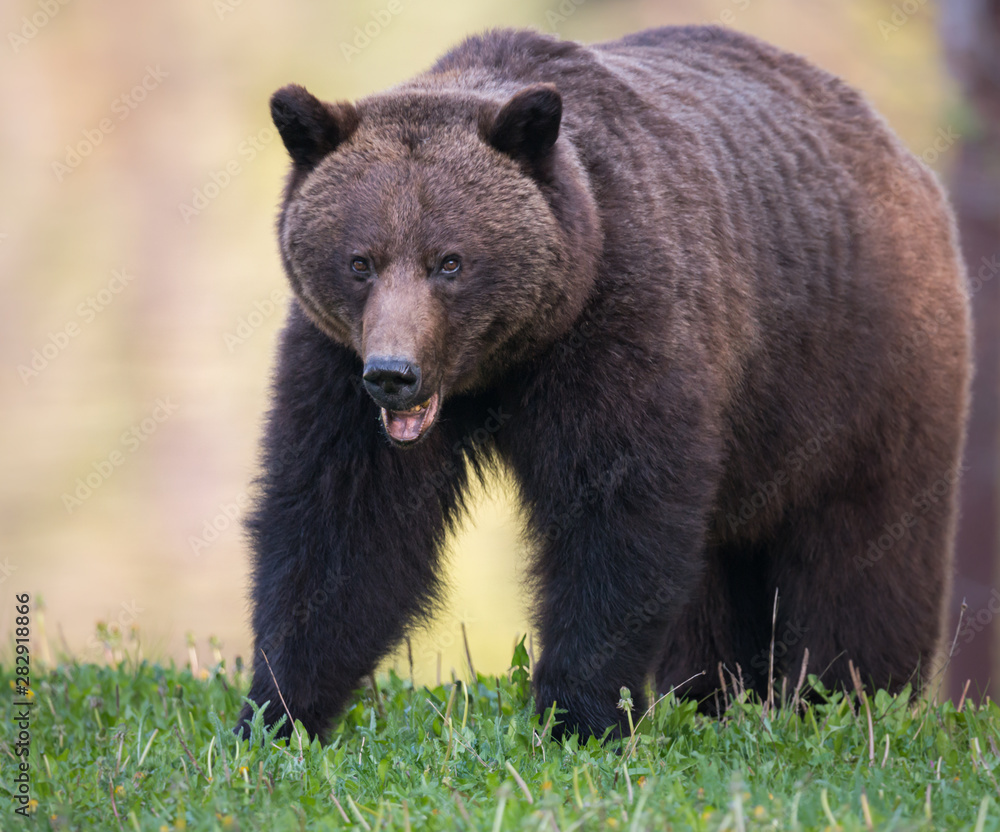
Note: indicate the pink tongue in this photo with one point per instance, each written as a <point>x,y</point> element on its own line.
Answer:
<point>404,427</point>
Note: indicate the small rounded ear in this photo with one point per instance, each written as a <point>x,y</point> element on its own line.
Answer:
<point>309,127</point>
<point>527,126</point>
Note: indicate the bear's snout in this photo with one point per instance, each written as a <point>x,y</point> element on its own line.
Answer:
<point>393,383</point>
<point>408,412</point>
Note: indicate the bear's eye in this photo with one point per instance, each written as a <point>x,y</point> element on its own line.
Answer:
<point>451,264</point>
<point>359,265</point>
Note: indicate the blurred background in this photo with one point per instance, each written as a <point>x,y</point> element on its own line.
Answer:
<point>139,179</point>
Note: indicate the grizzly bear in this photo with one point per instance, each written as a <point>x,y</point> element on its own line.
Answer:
<point>699,301</point>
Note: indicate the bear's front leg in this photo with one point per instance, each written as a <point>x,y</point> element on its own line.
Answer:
<point>619,516</point>
<point>610,587</point>
<point>345,534</point>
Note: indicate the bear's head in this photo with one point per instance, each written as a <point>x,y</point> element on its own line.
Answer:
<point>446,238</point>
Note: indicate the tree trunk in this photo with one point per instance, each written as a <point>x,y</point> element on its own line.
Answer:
<point>971,34</point>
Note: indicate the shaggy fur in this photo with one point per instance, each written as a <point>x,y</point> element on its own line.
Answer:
<point>711,316</point>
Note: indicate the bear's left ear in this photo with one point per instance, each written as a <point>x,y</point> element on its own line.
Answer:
<point>527,126</point>
<point>310,128</point>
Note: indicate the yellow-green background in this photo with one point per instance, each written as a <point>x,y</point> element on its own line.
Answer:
<point>128,548</point>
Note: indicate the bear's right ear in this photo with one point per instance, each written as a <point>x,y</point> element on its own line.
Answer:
<point>310,128</point>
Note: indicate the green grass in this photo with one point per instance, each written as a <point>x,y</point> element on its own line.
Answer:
<point>147,747</point>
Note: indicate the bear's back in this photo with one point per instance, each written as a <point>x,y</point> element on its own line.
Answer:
<point>704,64</point>
<point>742,191</point>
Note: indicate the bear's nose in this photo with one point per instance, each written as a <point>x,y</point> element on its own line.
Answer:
<point>393,382</point>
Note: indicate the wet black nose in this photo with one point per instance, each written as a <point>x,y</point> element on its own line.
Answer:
<point>394,383</point>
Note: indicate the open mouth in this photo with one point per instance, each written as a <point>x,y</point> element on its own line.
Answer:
<point>407,426</point>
